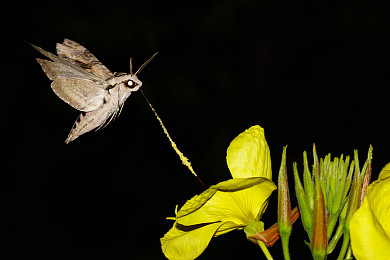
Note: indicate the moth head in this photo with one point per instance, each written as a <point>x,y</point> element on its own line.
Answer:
<point>131,82</point>
<point>142,66</point>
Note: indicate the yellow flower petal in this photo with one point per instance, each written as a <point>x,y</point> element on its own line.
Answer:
<point>183,242</point>
<point>370,225</point>
<point>368,239</point>
<point>379,198</point>
<point>240,201</point>
<point>248,155</point>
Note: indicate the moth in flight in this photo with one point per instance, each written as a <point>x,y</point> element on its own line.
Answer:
<point>83,82</point>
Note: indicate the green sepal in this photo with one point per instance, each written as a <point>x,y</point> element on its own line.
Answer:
<point>304,209</point>
<point>308,182</point>
<point>319,239</point>
<point>254,228</point>
<point>337,203</point>
<point>284,208</point>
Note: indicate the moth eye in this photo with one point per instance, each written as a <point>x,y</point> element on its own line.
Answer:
<point>130,84</point>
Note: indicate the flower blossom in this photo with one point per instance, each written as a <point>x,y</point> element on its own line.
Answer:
<point>228,205</point>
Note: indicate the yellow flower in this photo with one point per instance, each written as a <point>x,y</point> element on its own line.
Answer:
<point>370,225</point>
<point>228,205</point>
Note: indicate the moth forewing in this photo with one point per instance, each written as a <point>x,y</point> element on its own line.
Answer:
<point>76,53</point>
<point>60,67</point>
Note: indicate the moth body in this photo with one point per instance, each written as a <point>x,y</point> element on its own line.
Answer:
<point>83,82</point>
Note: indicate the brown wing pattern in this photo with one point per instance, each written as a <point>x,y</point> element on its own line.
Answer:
<point>79,88</point>
<point>74,52</point>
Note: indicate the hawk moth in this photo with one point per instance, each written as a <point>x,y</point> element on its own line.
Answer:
<point>83,82</point>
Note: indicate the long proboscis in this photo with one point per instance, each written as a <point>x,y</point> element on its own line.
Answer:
<point>183,159</point>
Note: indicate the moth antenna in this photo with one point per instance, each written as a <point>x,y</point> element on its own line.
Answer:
<point>183,159</point>
<point>131,66</point>
<point>145,63</point>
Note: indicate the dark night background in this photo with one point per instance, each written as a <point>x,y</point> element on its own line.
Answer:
<point>306,71</point>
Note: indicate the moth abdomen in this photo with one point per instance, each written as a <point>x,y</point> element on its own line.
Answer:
<point>88,121</point>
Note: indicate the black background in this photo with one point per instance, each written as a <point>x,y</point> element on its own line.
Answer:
<point>306,71</point>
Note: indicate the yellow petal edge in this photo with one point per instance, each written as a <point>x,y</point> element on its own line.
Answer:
<point>240,201</point>
<point>181,245</point>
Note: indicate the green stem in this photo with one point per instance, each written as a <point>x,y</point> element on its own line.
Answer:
<point>286,253</point>
<point>344,247</point>
<point>349,253</point>
<point>332,244</point>
<point>340,229</point>
<point>265,250</point>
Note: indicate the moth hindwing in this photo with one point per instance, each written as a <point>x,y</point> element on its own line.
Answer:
<point>82,81</point>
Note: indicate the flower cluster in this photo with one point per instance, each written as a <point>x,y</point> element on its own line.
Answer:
<point>331,199</point>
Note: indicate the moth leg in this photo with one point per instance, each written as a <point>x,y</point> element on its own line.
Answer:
<point>116,114</point>
<point>107,122</point>
<point>101,126</point>
<point>119,110</point>
<point>113,116</point>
